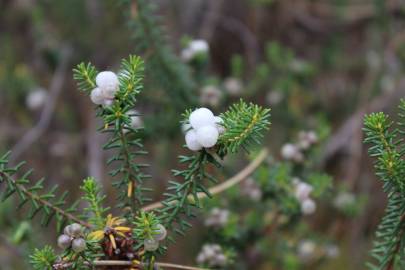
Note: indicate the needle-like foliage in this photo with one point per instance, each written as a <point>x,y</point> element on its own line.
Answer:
<point>130,236</point>
<point>388,149</point>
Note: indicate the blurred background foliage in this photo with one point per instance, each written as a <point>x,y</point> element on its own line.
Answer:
<point>320,65</point>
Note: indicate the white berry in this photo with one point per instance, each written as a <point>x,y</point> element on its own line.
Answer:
<point>73,230</point>
<point>191,141</point>
<point>201,117</point>
<point>207,136</point>
<point>302,191</point>
<point>161,233</point>
<point>308,207</point>
<point>108,82</point>
<point>78,245</point>
<point>151,244</point>
<point>36,99</point>
<point>64,241</point>
<point>96,96</point>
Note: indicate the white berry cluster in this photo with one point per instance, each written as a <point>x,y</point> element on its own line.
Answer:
<point>203,129</point>
<point>251,189</point>
<point>302,192</point>
<point>217,218</point>
<point>152,244</point>
<point>306,139</point>
<point>212,255</point>
<point>72,237</point>
<point>107,86</point>
<point>194,48</point>
<point>294,151</point>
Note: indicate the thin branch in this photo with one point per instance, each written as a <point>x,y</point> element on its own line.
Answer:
<point>57,83</point>
<point>242,175</point>
<point>44,202</point>
<point>130,263</point>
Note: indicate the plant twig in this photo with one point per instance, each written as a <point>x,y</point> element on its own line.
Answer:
<point>44,202</point>
<point>130,263</point>
<point>248,170</point>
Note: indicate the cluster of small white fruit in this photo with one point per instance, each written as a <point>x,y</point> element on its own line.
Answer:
<point>212,255</point>
<point>203,129</point>
<point>72,237</point>
<point>107,86</point>
<point>302,191</point>
<point>307,250</point>
<point>294,152</point>
<point>194,48</point>
<point>217,218</point>
<point>152,244</point>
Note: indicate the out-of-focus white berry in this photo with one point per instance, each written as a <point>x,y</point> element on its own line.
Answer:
<point>194,48</point>
<point>212,255</point>
<point>108,102</point>
<point>302,191</point>
<point>201,117</point>
<point>96,96</point>
<point>78,245</point>
<point>250,188</point>
<point>108,82</point>
<point>201,258</point>
<point>332,251</point>
<point>207,136</point>
<point>136,120</point>
<point>307,139</point>
<point>64,241</point>
<point>191,141</point>
<point>388,83</point>
<point>217,218</point>
<point>306,249</point>
<point>185,127</point>
<point>36,99</point>
<point>218,124</point>
<point>343,200</point>
<point>210,95</point>
<point>274,97</point>
<point>233,86</point>
<point>161,233</point>
<point>151,244</point>
<point>308,207</point>
<point>199,46</point>
<point>220,260</point>
<point>289,151</point>
<point>187,54</point>
<point>298,65</point>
